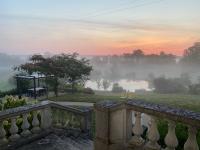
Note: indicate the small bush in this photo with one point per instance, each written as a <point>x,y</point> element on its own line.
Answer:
<point>87,91</point>
<point>12,102</point>
<point>194,89</point>
<point>10,92</point>
<point>170,85</point>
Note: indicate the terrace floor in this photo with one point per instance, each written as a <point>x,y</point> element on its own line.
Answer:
<point>62,140</point>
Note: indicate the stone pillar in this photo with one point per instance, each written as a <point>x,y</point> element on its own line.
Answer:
<point>85,123</point>
<point>35,123</point>
<point>153,136</point>
<point>25,126</point>
<point>14,130</point>
<point>137,140</point>
<point>112,125</point>
<point>191,143</point>
<point>3,138</point>
<point>128,125</point>
<point>102,129</point>
<point>46,118</point>
<point>171,140</point>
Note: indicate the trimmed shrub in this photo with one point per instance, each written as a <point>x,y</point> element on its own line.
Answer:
<point>88,91</point>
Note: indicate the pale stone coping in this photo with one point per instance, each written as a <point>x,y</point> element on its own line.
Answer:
<point>13,112</point>
<point>107,104</point>
<point>158,110</point>
<point>81,110</point>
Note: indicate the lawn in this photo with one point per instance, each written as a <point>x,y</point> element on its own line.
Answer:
<point>80,97</point>
<point>191,102</point>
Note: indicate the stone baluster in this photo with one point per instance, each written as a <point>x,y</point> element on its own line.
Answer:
<point>67,120</point>
<point>171,140</point>
<point>137,140</point>
<point>46,118</point>
<point>3,138</point>
<point>153,136</point>
<point>57,118</point>
<point>191,143</point>
<point>25,126</point>
<point>63,117</point>
<point>35,123</point>
<point>14,130</point>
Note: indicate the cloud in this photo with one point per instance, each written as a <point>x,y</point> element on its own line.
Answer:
<point>139,25</point>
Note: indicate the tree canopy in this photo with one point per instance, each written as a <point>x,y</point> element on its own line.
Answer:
<point>192,55</point>
<point>68,66</point>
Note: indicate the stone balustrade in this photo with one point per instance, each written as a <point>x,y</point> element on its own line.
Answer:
<point>69,117</point>
<point>132,125</point>
<point>22,124</point>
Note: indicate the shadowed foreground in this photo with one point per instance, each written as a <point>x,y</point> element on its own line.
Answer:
<point>61,141</point>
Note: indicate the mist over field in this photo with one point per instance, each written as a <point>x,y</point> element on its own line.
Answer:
<point>135,66</point>
<point>7,64</point>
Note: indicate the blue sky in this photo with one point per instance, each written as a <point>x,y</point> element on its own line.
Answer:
<point>98,27</point>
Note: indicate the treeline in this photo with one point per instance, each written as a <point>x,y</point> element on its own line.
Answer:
<point>140,66</point>
<point>181,84</point>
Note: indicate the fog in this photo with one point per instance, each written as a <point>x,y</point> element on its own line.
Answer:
<point>7,64</point>
<point>138,66</point>
<point>131,71</point>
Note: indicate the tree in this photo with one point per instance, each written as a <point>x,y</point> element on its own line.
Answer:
<point>170,85</point>
<point>150,80</point>
<point>192,55</point>
<point>74,70</point>
<point>194,89</point>
<point>138,53</point>
<point>98,83</point>
<point>106,84</point>
<point>185,79</point>
<point>65,66</point>
<point>46,66</point>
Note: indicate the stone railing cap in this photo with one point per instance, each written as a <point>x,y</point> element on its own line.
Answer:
<point>108,104</point>
<point>166,109</point>
<point>43,104</point>
<point>23,108</point>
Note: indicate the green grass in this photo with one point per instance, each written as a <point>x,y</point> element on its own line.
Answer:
<point>80,97</point>
<point>191,102</point>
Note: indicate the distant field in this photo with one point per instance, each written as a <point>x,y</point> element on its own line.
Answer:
<point>191,102</point>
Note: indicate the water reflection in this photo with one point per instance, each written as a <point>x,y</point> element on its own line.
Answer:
<point>128,85</point>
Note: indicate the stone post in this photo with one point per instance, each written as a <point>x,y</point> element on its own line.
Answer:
<point>46,118</point>
<point>102,129</point>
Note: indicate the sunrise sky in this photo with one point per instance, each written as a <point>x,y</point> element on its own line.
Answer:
<point>98,27</point>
